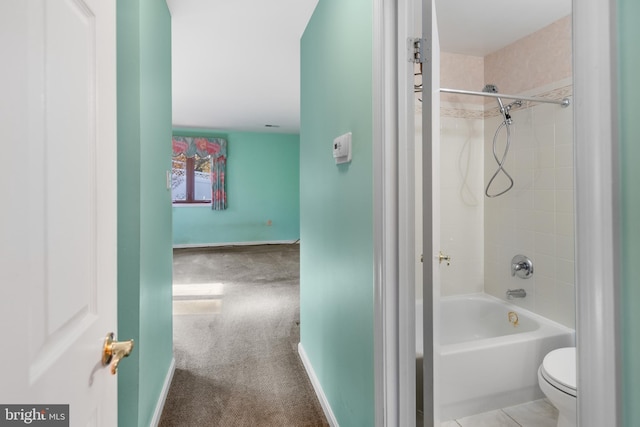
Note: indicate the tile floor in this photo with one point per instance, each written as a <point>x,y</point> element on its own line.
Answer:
<point>539,413</point>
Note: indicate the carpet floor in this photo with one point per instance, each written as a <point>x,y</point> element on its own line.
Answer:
<point>236,331</point>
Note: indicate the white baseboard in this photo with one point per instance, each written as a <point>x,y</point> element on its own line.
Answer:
<point>163,395</point>
<point>326,408</point>
<point>215,245</point>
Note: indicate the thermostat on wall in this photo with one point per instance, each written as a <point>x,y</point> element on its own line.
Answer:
<point>342,148</point>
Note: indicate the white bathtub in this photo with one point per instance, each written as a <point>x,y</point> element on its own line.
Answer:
<point>485,361</point>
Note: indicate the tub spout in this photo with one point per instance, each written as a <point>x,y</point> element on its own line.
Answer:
<point>516,293</point>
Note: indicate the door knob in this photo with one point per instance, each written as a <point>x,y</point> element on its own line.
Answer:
<point>443,257</point>
<point>114,351</point>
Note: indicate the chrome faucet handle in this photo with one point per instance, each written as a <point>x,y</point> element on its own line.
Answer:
<point>521,266</point>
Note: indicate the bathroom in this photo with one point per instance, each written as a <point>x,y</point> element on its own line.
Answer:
<point>506,189</point>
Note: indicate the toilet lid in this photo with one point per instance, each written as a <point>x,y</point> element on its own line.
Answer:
<point>559,369</point>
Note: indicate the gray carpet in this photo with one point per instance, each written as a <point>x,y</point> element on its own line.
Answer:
<point>236,331</point>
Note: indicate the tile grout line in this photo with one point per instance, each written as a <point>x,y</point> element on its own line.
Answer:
<point>514,420</point>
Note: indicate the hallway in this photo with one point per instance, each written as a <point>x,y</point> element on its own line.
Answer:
<point>236,330</point>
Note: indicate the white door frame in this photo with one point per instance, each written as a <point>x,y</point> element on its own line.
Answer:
<point>597,215</point>
<point>407,15</point>
<point>394,214</point>
<point>385,213</point>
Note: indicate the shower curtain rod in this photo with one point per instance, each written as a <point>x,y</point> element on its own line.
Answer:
<point>564,102</point>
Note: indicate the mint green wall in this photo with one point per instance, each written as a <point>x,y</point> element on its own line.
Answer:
<point>144,205</point>
<point>263,183</point>
<point>156,255</point>
<point>336,207</point>
<point>128,57</point>
<point>629,91</point>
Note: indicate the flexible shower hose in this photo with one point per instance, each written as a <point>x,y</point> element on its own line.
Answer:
<point>500,162</point>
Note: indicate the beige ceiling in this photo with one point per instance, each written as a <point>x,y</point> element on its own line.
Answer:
<point>236,62</point>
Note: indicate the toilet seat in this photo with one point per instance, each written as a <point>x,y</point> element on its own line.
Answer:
<point>559,369</point>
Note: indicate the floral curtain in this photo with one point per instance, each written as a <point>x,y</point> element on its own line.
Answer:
<point>203,147</point>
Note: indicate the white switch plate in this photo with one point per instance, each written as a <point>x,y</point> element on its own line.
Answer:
<point>342,148</point>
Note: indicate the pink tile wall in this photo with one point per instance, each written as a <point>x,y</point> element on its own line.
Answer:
<point>537,60</point>
<point>461,72</point>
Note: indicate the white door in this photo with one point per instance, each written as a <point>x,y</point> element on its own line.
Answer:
<point>430,212</point>
<point>58,221</point>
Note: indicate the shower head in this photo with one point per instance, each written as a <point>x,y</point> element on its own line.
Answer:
<point>490,88</point>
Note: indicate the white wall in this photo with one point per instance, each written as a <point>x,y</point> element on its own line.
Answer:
<point>535,218</point>
<point>461,200</point>
<point>461,124</point>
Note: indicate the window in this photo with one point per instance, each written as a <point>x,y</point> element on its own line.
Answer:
<point>191,179</point>
<point>198,171</point>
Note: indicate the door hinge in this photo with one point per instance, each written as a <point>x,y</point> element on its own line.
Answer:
<point>419,51</point>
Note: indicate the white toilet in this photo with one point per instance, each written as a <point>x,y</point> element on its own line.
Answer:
<point>557,380</point>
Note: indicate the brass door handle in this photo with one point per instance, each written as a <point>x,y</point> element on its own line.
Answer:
<point>443,257</point>
<point>114,351</point>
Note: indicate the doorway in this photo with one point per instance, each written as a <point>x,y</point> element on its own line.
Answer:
<point>581,18</point>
